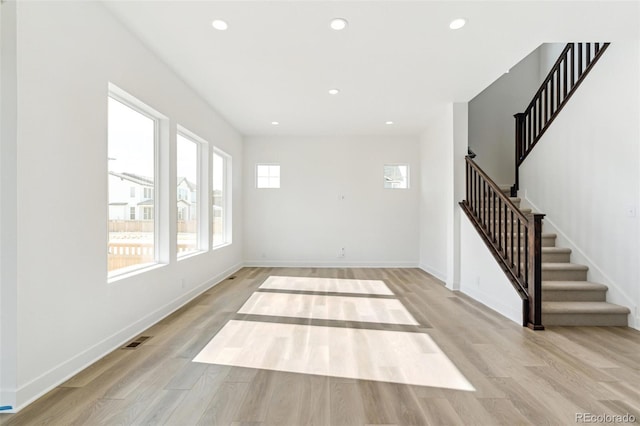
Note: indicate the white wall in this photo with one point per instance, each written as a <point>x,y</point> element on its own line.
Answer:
<point>491,122</point>
<point>331,196</point>
<point>584,174</point>
<point>8,211</point>
<point>481,277</point>
<point>68,53</point>
<point>436,193</point>
<point>548,54</point>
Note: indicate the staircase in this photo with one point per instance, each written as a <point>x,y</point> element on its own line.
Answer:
<point>567,297</point>
<point>554,291</point>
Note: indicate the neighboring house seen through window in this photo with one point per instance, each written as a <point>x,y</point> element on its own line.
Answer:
<point>188,185</point>
<point>396,176</point>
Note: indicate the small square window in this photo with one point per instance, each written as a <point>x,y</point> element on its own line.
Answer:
<point>268,176</point>
<point>396,176</point>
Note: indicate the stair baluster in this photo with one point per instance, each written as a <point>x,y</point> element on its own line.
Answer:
<point>513,238</point>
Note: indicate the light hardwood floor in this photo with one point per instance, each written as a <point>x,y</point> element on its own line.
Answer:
<point>518,376</point>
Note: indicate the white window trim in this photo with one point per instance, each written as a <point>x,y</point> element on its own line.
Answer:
<point>226,200</point>
<point>408,175</point>
<point>279,176</point>
<point>136,104</point>
<point>202,145</point>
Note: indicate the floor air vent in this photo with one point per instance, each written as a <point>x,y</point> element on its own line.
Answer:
<point>134,344</point>
<point>232,277</point>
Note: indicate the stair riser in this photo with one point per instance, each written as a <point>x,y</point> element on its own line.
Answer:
<point>606,320</point>
<point>501,212</point>
<point>515,201</point>
<point>574,296</point>
<point>556,257</point>
<point>546,241</point>
<point>564,275</point>
<point>552,257</point>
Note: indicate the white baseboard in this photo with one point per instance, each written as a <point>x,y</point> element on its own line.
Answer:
<point>432,271</point>
<point>326,264</point>
<point>7,398</point>
<point>37,387</point>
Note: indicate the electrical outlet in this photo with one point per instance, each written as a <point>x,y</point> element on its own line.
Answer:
<point>341,252</point>
<point>631,210</point>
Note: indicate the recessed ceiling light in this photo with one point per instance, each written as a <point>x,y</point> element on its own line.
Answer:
<point>338,24</point>
<point>219,24</point>
<point>275,123</point>
<point>456,24</point>
<point>334,91</point>
<point>388,122</point>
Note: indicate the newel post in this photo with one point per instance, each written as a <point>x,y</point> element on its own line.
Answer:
<point>519,147</point>
<point>534,279</point>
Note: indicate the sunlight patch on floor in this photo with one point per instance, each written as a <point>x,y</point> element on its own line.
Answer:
<point>388,356</point>
<point>341,308</point>
<point>329,285</point>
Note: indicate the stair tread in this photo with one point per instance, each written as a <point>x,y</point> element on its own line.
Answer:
<point>573,285</point>
<point>543,235</point>
<point>562,266</point>
<point>550,250</point>
<point>556,250</point>
<point>583,308</point>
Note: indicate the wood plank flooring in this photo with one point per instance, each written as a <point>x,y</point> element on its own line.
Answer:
<point>519,377</point>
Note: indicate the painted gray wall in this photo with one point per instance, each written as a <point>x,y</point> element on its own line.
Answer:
<point>491,122</point>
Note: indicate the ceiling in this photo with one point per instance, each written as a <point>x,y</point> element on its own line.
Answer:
<point>396,61</point>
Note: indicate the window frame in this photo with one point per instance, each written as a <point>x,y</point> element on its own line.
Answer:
<point>159,120</point>
<point>408,177</point>
<point>227,219</point>
<point>268,176</point>
<point>202,147</point>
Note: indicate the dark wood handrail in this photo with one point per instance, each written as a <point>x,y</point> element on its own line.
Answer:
<point>568,72</point>
<point>514,239</point>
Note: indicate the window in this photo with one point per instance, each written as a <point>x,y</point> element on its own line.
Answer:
<point>221,184</point>
<point>396,176</point>
<point>268,176</point>
<point>132,192</point>
<point>131,146</point>
<point>147,213</point>
<point>188,183</point>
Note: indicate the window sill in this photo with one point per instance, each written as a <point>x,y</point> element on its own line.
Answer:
<point>131,271</point>
<point>221,245</point>
<point>191,254</point>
